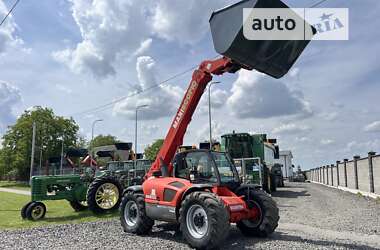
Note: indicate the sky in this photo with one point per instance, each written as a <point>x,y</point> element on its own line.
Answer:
<point>75,55</point>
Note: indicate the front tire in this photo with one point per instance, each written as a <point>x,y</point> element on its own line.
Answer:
<point>35,211</point>
<point>23,209</point>
<point>204,220</point>
<point>104,195</point>
<point>132,215</point>
<point>268,218</point>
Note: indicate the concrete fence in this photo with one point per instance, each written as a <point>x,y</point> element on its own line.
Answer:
<point>360,174</point>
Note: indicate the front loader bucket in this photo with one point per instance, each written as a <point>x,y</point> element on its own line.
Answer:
<point>272,57</point>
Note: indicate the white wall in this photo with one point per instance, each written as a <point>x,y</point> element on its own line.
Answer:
<point>286,162</point>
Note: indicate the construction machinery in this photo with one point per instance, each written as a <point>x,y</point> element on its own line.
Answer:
<point>256,156</point>
<point>200,190</point>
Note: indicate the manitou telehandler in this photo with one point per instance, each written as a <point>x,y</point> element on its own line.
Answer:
<point>200,190</point>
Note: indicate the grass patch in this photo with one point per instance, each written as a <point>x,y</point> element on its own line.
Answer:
<point>378,200</point>
<point>58,212</point>
<point>15,185</point>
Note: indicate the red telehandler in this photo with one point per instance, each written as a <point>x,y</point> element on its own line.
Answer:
<point>200,189</point>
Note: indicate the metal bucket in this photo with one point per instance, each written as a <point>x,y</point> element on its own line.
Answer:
<point>272,57</point>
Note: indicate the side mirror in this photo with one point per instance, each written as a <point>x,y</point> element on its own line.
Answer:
<point>157,173</point>
<point>277,152</point>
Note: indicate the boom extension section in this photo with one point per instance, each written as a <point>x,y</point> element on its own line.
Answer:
<point>174,138</point>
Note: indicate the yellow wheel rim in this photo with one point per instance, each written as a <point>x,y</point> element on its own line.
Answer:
<point>107,196</point>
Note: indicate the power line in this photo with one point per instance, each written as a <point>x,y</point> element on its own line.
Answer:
<point>109,104</point>
<point>9,12</point>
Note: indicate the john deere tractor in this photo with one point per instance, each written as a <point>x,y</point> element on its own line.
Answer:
<point>79,187</point>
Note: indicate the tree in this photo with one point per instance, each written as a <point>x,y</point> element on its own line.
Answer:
<point>103,140</point>
<point>152,150</point>
<point>50,130</point>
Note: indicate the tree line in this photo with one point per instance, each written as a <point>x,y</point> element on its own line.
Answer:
<point>15,148</point>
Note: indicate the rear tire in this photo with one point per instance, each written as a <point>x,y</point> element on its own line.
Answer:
<point>78,206</point>
<point>132,215</point>
<point>104,195</point>
<point>35,211</point>
<point>204,220</point>
<point>269,215</point>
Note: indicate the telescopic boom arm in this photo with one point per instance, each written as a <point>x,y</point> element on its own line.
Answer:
<point>174,138</point>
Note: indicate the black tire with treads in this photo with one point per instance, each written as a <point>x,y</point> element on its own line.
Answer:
<point>270,214</point>
<point>93,188</point>
<point>23,209</point>
<point>31,207</point>
<point>217,215</point>
<point>144,224</point>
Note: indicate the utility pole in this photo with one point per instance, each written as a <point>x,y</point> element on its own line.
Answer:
<point>92,138</point>
<point>33,148</point>
<point>209,111</point>
<point>137,108</point>
<point>61,163</point>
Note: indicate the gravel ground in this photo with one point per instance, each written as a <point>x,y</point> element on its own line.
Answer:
<point>312,217</point>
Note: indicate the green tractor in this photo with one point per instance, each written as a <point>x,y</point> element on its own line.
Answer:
<point>79,186</point>
<point>254,156</point>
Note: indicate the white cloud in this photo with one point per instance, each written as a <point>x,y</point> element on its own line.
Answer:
<point>218,99</point>
<point>327,141</point>
<point>329,116</point>
<point>9,97</point>
<point>291,129</point>
<point>372,127</point>
<point>109,28</point>
<point>302,139</point>
<point>144,46</point>
<point>163,101</point>
<point>294,72</point>
<point>113,29</point>
<point>149,129</point>
<point>217,130</point>
<point>7,30</point>
<point>63,88</point>
<point>362,147</point>
<point>183,21</point>
<point>255,95</point>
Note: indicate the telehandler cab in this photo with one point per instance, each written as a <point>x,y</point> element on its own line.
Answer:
<point>200,189</point>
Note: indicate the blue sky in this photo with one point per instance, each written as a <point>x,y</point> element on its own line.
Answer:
<point>78,54</point>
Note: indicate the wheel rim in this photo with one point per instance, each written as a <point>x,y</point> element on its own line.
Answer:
<point>256,222</point>
<point>37,212</point>
<point>197,221</point>
<point>107,196</point>
<point>131,213</point>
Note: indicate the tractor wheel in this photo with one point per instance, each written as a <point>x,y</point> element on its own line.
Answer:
<point>204,220</point>
<point>104,194</point>
<point>78,205</point>
<point>132,215</point>
<point>35,211</point>
<point>267,220</point>
<point>23,210</point>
